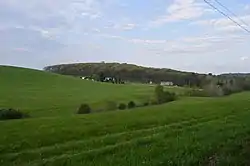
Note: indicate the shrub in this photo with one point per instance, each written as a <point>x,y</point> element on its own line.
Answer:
<point>168,96</point>
<point>84,109</point>
<point>213,90</point>
<point>6,114</point>
<point>122,106</point>
<point>131,104</point>
<point>162,96</point>
<point>153,102</point>
<point>110,106</point>
<point>227,91</point>
<point>145,104</point>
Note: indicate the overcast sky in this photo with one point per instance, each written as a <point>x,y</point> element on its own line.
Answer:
<point>179,34</point>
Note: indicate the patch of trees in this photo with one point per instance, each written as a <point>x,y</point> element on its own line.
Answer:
<point>128,72</point>
<point>221,86</point>
<point>8,114</point>
<point>160,97</point>
<point>101,77</point>
<point>213,85</point>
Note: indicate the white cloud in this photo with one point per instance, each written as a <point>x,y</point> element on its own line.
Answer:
<point>67,9</point>
<point>128,26</point>
<point>147,41</point>
<point>121,26</point>
<point>21,49</point>
<point>247,7</point>
<point>135,40</point>
<point>244,58</point>
<point>112,36</point>
<point>96,30</point>
<point>224,24</point>
<point>186,45</point>
<point>180,10</point>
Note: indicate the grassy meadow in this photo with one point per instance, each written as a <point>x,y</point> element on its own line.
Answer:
<point>45,94</point>
<point>190,131</point>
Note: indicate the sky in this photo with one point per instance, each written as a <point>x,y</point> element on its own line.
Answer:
<point>178,34</point>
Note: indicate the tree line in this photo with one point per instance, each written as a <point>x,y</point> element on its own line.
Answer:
<point>228,83</point>
<point>129,72</point>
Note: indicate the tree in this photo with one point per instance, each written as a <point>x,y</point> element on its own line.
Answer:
<point>6,114</point>
<point>122,106</point>
<point>84,109</point>
<point>159,94</point>
<point>131,105</point>
<point>101,76</point>
<point>163,96</point>
<point>96,77</point>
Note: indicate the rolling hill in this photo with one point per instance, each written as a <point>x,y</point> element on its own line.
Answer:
<point>190,131</point>
<point>129,72</point>
<point>46,94</point>
<point>187,132</point>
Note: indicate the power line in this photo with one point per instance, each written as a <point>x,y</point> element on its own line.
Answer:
<point>235,15</point>
<point>224,14</point>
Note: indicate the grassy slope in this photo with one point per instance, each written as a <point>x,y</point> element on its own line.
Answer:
<point>46,94</point>
<point>195,131</point>
<point>191,131</point>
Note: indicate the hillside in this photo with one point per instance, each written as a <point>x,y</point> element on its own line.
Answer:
<point>188,132</point>
<point>129,72</point>
<point>46,94</point>
<point>199,131</point>
<point>236,75</point>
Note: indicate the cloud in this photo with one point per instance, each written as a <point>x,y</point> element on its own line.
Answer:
<point>96,30</point>
<point>63,15</point>
<point>89,30</point>
<point>21,49</point>
<point>27,40</point>
<point>224,24</point>
<point>48,8</point>
<point>192,45</point>
<point>244,58</point>
<point>121,26</point>
<point>135,40</point>
<point>128,26</point>
<point>247,7</point>
<point>146,41</point>
<point>180,10</point>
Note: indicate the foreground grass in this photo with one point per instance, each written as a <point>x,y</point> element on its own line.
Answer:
<point>188,132</point>
<point>43,94</point>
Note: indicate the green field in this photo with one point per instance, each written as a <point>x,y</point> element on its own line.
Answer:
<point>45,94</point>
<point>190,131</point>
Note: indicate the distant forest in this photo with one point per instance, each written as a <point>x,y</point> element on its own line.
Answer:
<point>134,73</point>
<point>129,72</point>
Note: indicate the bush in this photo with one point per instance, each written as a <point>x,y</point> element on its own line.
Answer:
<point>153,102</point>
<point>122,106</point>
<point>162,96</point>
<point>227,91</point>
<point>145,104</point>
<point>213,90</point>
<point>110,106</point>
<point>84,109</point>
<point>131,104</point>
<point>6,114</point>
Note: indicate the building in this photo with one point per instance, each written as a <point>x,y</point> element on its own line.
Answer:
<point>168,83</point>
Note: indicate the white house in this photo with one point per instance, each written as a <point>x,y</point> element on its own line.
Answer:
<point>168,83</point>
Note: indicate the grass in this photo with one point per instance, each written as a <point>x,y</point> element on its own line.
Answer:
<point>191,131</point>
<point>44,94</point>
